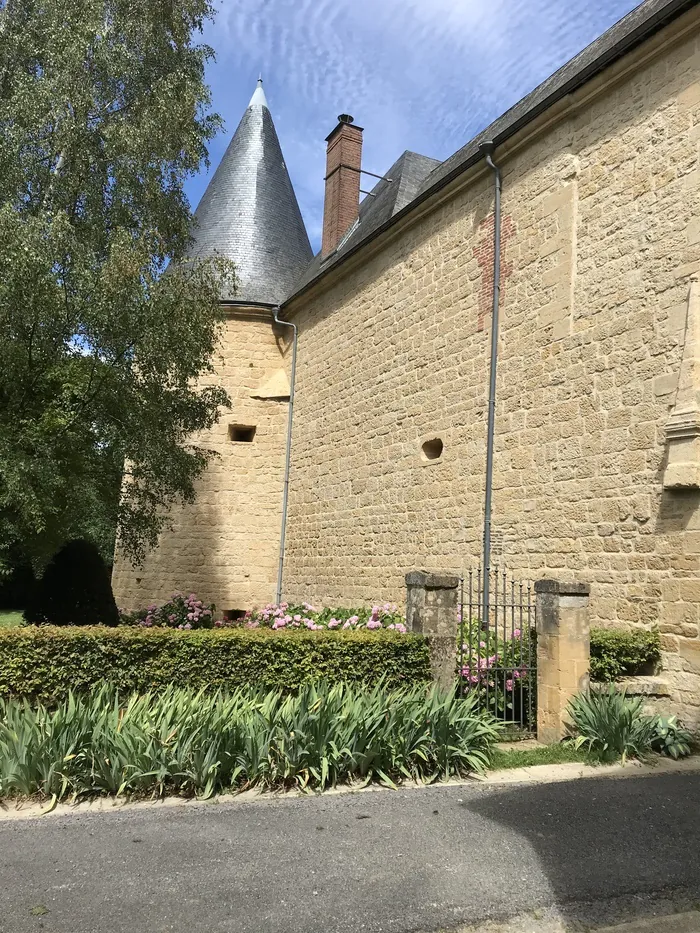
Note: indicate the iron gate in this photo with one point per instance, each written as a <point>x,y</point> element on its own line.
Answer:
<point>497,652</point>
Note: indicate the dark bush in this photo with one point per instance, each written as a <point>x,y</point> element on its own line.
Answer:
<point>615,653</point>
<point>45,663</point>
<point>17,585</point>
<point>74,590</point>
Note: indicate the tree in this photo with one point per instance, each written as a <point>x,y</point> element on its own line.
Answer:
<point>107,329</point>
<point>74,590</point>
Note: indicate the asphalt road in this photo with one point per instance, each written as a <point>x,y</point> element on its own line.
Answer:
<point>420,859</point>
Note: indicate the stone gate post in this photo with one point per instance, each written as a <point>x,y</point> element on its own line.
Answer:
<point>432,609</point>
<point>563,652</point>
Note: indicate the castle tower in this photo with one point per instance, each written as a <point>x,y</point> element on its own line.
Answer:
<point>249,212</point>
<point>224,546</point>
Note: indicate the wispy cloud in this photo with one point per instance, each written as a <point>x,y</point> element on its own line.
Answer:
<point>417,74</point>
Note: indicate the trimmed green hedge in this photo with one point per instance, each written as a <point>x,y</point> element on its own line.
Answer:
<point>43,663</point>
<point>615,653</point>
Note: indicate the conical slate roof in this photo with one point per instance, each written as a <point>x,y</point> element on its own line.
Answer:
<point>249,212</point>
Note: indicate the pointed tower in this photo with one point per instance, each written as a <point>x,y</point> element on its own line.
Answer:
<point>249,212</point>
<point>225,545</point>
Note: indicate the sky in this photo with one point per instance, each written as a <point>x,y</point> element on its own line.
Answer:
<point>425,75</point>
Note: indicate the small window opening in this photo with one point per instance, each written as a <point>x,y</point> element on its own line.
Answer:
<point>231,615</point>
<point>241,433</point>
<point>432,449</point>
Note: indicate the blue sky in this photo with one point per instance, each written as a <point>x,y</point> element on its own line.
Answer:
<point>425,75</point>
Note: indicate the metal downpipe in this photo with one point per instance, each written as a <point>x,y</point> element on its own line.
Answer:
<point>487,149</point>
<point>288,456</point>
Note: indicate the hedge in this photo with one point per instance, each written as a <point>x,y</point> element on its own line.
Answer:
<point>42,663</point>
<point>616,653</point>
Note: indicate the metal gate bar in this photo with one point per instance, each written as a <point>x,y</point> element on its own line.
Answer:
<point>497,656</point>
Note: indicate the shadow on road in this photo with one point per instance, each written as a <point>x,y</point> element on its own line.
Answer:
<point>606,838</point>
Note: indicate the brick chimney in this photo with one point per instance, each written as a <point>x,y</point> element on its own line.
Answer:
<point>343,163</point>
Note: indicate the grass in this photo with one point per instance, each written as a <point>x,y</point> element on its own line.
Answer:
<point>9,619</point>
<point>546,755</point>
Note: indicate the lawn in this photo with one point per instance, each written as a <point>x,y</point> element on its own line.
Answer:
<point>544,755</point>
<point>8,619</point>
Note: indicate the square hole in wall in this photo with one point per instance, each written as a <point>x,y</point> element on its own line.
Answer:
<point>231,615</point>
<point>241,433</point>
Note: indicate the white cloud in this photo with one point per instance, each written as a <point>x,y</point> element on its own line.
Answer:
<point>417,74</point>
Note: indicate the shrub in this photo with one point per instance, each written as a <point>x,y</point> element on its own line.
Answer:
<point>304,615</point>
<point>670,738</point>
<point>181,612</point>
<point>499,666</point>
<point>183,741</point>
<point>44,663</point>
<point>615,653</point>
<point>613,726</point>
<point>74,590</point>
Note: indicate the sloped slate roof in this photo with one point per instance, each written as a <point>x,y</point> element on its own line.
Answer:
<point>249,212</point>
<point>386,198</point>
<point>643,22</point>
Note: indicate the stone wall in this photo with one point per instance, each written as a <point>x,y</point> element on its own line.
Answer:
<point>224,547</point>
<point>601,211</point>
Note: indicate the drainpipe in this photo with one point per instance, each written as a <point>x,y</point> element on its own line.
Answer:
<point>487,148</point>
<point>288,456</point>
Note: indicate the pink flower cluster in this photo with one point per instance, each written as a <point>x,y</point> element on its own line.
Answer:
<point>287,616</point>
<point>195,610</point>
<point>181,612</point>
<point>477,674</point>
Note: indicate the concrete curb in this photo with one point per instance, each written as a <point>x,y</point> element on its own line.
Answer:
<point>11,810</point>
<point>572,771</point>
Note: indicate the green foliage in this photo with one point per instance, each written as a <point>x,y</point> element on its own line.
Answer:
<point>103,116</point>
<point>74,590</point>
<point>613,726</point>
<point>610,725</point>
<point>615,653</point>
<point>670,738</point>
<point>189,742</point>
<point>43,663</point>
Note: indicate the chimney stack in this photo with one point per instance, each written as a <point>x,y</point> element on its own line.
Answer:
<point>342,199</point>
